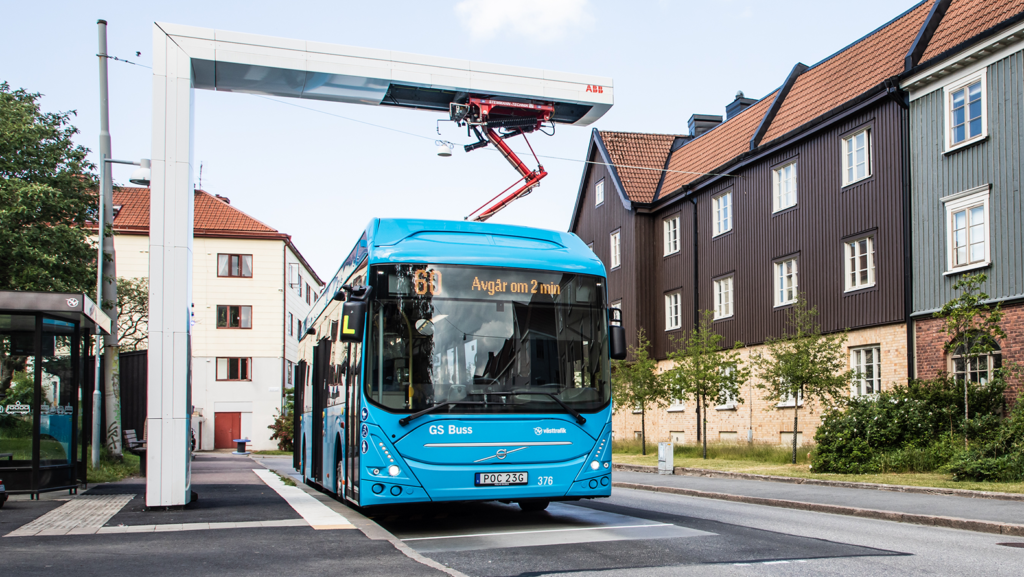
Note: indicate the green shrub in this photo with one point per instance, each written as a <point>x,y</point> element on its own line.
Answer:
<point>998,455</point>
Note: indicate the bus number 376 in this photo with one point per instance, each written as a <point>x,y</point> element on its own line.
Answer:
<point>545,480</point>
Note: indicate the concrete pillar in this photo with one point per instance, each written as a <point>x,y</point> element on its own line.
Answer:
<point>168,481</point>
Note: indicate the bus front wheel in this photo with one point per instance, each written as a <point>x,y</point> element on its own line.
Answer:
<point>533,506</point>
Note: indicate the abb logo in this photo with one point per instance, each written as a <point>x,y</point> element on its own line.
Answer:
<point>593,88</point>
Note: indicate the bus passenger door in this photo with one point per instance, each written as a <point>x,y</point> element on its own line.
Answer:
<point>353,422</point>
<point>321,357</point>
<point>299,402</point>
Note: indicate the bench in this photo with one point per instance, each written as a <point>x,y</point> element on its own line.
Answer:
<point>133,445</point>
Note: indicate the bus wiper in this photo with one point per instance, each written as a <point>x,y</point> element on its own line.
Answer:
<point>580,419</point>
<point>405,420</point>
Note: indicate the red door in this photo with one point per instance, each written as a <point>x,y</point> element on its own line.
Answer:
<point>226,428</point>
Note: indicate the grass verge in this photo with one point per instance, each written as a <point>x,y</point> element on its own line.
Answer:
<point>110,469</point>
<point>271,452</point>
<point>287,480</point>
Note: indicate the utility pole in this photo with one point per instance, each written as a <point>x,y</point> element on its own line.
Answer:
<point>111,372</point>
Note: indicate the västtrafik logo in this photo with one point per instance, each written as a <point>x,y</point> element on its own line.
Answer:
<point>542,431</point>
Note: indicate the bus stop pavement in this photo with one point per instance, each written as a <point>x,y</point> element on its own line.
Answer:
<point>974,514</point>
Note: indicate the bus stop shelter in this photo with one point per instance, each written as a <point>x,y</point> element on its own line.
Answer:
<point>42,404</point>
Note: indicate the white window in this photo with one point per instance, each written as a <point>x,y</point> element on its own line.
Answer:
<point>866,361</point>
<point>721,209</point>
<point>967,230</point>
<point>785,282</point>
<point>289,371</point>
<point>616,245</point>
<point>599,193</point>
<point>978,368</point>
<point>784,187</point>
<point>966,111</point>
<point>723,298</point>
<point>673,318</point>
<point>857,157</point>
<point>677,405</point>
<point>789,401</point>
<point>730,400</point>
<point>293,274</point>
<point>671,235</point>
<point>860,263</point>
<point>291,325</point>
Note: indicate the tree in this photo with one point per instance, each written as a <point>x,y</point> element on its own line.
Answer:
<point>637,383</point>
<point>133,313</point>
<point>47,196</point>
<point>804,364</point>
<point>704,372</point>
<point>973,328</point>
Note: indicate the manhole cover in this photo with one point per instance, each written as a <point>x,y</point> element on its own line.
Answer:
<point>1017,545</point>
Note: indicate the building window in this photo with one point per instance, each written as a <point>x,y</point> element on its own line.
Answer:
<point>234,317</point>
<point>860,263</point>
<point>730,399</point>
<point>866,361</point>
<point>289,372</point>
<point>233,369</point>
<point>671,235</point>
<point>967,230</point>
<point>966,114</point>
<point>599,193</point>
<point>784,187</point>
<point>239,265</point>
<point>309,295</point>
<point>677,405</point>
<point>979,367</point>
<point>786,285</point>
<point>293,274</point>
<point>721,209</point>
<point>673,316</point>
<point>723,298</point>
<point>616,256</point>
<point>291,325</point>
<point>790,401</point>
<point>857,156</point>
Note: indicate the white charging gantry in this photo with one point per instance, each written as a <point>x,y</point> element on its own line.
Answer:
<point>493,101</point>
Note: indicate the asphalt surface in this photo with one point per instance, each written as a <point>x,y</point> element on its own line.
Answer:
<point>917,503</point>
<point>631,533</point>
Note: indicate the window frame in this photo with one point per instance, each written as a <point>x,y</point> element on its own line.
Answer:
<point>848,263</point>
<point>947,123</point>
<point>667,224</point>
<point>716,283</point>
<point>777,182</point>
<point>241,259</point>
<point>615,248</point>
<point>776,277</point>
<point>228,326</point>
<point>731,404</point>
<point>248,369</point>
<point>993,361</point>
<point>964,201</point>
<point>678,297</point>
<point>291,325</point>
<point>716,219</point>
<point>676,405</point>
<point>868,155</point>
<point>599,193</point>
<point>858,385</point>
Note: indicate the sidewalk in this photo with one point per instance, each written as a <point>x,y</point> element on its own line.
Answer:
<point>985,515</point>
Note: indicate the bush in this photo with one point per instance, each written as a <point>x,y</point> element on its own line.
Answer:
<point>907,429</point>
<point>999,457</point>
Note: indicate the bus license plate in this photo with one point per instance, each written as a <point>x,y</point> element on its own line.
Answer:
<point>502,479</point>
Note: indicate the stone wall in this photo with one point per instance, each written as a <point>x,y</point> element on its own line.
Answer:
<point>768,422</point>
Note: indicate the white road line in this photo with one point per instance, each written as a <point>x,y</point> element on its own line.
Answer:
<point>318,515</point>
<point>83,515</point>
<point>539,531</point>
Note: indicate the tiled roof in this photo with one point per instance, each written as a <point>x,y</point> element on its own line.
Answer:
<point>213,216</point>
<point>967,18</point>
<point>715,148</point>
<point>639,159</point>
<point>850,73</point>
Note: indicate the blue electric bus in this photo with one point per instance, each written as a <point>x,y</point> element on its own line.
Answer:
<point>459,361</point>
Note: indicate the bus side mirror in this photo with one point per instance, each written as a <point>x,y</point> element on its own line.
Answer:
<point>353,321</point>
<point>617,340</point>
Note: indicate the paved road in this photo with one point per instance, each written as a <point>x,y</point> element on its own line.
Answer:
<point>643,533</point>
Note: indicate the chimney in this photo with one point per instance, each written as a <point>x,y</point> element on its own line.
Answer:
<point>223,198</point>
<point>701,123</point>
<point>737,106</point>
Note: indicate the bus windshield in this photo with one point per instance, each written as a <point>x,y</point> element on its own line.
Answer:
<point>486,340</point>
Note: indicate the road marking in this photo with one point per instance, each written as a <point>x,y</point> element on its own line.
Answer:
<point>539,531</point>
<point>202,526</point>
<point>318,515</point>
<point>84,515</point>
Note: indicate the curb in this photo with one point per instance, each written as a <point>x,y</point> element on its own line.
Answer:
<point>928,520</point>
<point>822,483</point>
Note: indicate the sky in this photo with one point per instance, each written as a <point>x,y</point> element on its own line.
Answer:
<point>321,172</point>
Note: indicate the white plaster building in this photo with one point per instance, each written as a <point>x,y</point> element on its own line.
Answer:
<point>251,289</point>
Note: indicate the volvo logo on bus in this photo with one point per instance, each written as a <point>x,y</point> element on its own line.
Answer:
<point>500,454</point>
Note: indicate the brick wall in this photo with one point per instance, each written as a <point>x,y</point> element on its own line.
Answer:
<point>769,423</point>
<point>931,360</point>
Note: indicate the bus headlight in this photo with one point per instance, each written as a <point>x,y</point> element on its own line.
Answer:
<point>393,470</point>
<point>595,465</point>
